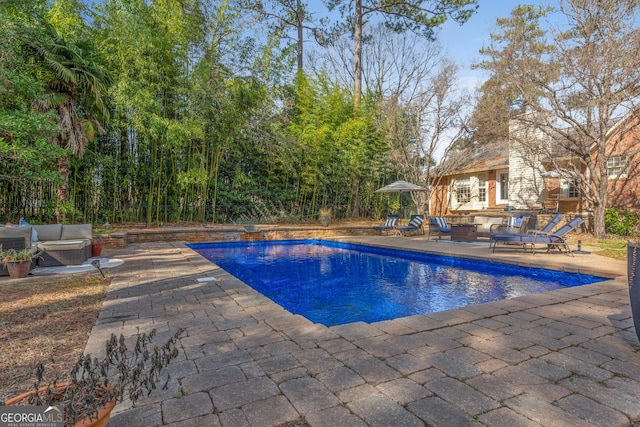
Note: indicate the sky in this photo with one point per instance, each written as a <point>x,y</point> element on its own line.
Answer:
<point>463,43</point>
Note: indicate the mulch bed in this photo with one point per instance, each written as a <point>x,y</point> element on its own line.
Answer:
<point>48,321</point>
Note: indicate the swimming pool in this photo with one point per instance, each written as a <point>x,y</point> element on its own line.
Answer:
<point>334,283</point>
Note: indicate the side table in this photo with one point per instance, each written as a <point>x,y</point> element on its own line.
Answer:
<point>464,232</point>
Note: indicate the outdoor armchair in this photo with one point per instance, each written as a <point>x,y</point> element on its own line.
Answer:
<point>438,224</point>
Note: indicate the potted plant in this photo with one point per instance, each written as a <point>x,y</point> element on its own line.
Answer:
<point>17,262</point>
<point>93,387</point>
<point>324,214</point>
<point>633,276</point>
<point>97,244</point>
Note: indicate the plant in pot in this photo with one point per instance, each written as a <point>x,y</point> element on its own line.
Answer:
<point>324,214</point>
<point>633,276</point>
<point>93,387</point>
<point>17,261</point>
<point>97,244</point>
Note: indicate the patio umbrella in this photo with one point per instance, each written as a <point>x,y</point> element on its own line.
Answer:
<point>400,187</point>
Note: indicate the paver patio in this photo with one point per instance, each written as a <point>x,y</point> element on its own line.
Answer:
<point>562,358</point>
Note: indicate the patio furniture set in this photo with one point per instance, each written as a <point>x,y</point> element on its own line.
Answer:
<point>56,244</point>
<point>517,231</point>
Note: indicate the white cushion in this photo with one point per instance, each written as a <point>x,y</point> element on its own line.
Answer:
<point>64,245</point>
<point>76,231</point>
<point>49,232</point>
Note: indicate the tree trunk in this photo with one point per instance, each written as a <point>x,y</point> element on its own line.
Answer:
<point>63,188</point>
<point>357,69</point>
<point>600,200</point>
<point>300,35</point>
<point>599,229</point>
<point>356,198</point>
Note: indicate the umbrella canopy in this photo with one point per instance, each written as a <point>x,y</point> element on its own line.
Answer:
<point>400,187</point>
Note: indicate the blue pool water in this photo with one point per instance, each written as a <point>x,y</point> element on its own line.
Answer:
<point>336,283</point>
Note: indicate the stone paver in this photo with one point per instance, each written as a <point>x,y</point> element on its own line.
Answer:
<point>340,378</point>
<point>190,406</point>
<point>269,412</point>
<point>242,393</point>
<point>404,391</point>
<point>380,411</point>
<point>308,395</point>
<point>462,395</point>
<point>595,413</point>
<point>559,358</point>
<point>438,413</point>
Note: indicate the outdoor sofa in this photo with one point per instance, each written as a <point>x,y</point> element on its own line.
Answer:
<point>68,244</point>
<point>484,223</point>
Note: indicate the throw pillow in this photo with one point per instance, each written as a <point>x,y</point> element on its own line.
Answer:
<point>34,233</point>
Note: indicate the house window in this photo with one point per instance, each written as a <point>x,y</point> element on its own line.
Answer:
<point>570,189</point>
<point>463,190</point>
<point>503,190</point>
<point>482,189</point>
<point>616,166</point>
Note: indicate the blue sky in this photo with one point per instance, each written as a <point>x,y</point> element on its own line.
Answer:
<point>464,42</point>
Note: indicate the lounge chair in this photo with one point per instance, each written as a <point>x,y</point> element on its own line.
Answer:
<point>519,228</point>
<point>552,224</point>
<point>415,225</point>
<point>514,225</point>
<point>438,224</point>
<point>389,225</point>
<point>555,240</point>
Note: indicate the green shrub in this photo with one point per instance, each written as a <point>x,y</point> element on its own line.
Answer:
<point>621,221</point>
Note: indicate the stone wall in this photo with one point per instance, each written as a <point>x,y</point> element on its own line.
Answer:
<point>231,234</point>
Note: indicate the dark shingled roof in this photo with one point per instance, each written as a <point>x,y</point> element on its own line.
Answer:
<point>478,158</point>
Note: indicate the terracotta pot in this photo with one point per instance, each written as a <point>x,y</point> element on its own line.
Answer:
<point>96,249</point>
<point>18,269</point>
<point>633,278</point>
<point>104,414</point>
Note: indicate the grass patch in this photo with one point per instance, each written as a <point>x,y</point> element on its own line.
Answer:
<point>44,321</point>
<point>613,247</point>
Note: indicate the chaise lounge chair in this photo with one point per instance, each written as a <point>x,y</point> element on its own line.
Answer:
<point>518,227</point>
<point>555,240</point>
<point>389,225</point>
<point>415,225</point>
<point>552,224</point>
<point>438,224</point>
<point>514,225</point>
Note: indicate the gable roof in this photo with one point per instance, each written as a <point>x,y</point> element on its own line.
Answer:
<point>477,158</point>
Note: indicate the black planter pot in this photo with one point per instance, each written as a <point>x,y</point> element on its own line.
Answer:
<point>633,277</point>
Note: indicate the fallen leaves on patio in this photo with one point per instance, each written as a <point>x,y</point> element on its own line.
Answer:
<point>45,321</point>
